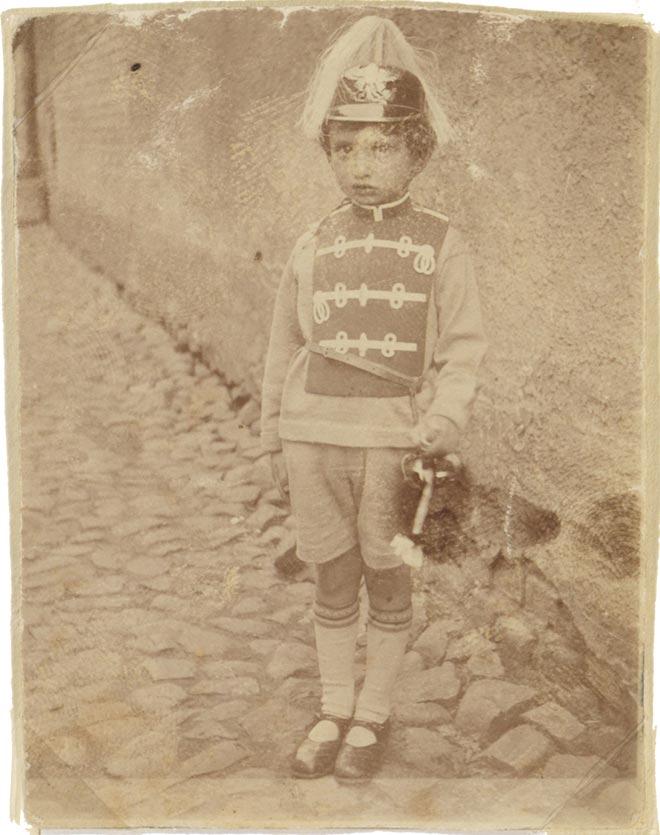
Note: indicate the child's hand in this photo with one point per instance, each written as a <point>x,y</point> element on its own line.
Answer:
<point>436,436</point>
<point>280,475</point>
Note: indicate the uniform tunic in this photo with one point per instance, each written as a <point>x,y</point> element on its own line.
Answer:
<point>393,284</point>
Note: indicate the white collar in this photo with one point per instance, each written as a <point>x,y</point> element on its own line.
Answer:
<point>378,210</point>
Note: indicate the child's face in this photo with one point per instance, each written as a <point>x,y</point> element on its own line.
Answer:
<point>371,166</point>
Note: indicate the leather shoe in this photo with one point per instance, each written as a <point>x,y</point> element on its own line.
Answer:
<point>359,764</point>
<point>315,759</point>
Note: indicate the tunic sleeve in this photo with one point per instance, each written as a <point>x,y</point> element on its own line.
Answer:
<point>285,339</point>
<point>461,342</point>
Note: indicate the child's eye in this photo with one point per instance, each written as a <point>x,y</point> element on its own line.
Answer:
<point>342,149</point>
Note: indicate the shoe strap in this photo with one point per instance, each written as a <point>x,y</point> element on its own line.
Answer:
<point>340,721</point>
<point>376,728</point>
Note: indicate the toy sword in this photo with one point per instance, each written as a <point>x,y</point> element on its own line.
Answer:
<point>424,472</point>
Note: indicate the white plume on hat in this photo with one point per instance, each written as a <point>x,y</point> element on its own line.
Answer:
<point>371,39</point>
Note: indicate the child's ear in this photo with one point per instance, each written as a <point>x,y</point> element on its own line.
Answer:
<point>419,164</point>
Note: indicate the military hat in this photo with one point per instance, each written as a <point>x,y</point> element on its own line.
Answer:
<point>370,73</point>
<point>375,93</point>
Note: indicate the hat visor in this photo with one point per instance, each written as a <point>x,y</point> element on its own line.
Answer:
<point>370,112</point>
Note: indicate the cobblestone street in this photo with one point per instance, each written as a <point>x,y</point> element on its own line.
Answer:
<point>168,668</point>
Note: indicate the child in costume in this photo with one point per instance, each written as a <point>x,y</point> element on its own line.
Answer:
<point>374,348</point>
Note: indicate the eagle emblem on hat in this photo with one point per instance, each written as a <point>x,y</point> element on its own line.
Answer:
<point>371,83</point>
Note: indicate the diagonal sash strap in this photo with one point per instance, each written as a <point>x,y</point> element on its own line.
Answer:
<point>410,384</point>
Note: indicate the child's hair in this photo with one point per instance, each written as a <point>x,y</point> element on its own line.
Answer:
<point>415,130</point>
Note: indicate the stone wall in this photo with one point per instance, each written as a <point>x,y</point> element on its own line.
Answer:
<point>173,165</point>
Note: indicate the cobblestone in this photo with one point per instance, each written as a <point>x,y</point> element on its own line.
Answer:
<point>101,711</point>
<point>427,749</point>
<point>222,669</point>
<point>486,665</point>
<point>556,721</point>
<point>422,714</point>
<point>210,729</point>
<point>217,758</point>
<point>160,641</point>
<point>111,732</point>
<point>432,643</point>
<point>438,684</point>
<point>290,659</point>
<point>244,626</point>
<point>516,638</point>
<point>489,701</point>
<point>519,750</point>
<point>465,646</point>
<point>167,668</point>
<point>227,687</point>
<point>158,697</point>
<point>71,750</point>
<point>412,663</point>
<point>226,710</point>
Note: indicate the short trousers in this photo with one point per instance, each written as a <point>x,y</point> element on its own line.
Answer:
<point>347,496</point>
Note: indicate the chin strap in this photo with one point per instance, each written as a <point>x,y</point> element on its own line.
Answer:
<point>410,384</point>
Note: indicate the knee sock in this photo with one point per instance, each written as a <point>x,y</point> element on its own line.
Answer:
<point>387,637</point>
<point>336,633</point>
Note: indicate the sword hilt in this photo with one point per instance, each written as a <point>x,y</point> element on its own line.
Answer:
<point>420,469</point>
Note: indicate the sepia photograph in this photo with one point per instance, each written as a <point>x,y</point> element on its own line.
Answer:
<point>331,384</point>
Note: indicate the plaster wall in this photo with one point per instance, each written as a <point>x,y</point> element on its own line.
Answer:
<point>173,164</point>
<point>186,179</point>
